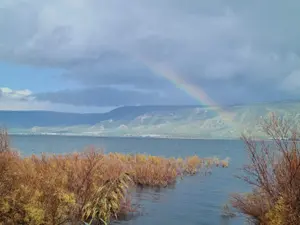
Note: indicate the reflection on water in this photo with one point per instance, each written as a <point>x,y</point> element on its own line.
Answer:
<point>141,197</point>
<point>151,194</point>
<point>195,200</point>
<point>155,203</point>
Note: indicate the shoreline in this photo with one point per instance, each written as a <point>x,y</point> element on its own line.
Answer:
<point>132,137</point>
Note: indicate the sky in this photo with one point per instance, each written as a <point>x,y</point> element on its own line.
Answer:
<point>95,55</point>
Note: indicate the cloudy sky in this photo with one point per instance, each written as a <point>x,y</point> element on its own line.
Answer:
<point>94,55</point>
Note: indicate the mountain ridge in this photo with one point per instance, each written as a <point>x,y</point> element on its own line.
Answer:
<point>190,121</point>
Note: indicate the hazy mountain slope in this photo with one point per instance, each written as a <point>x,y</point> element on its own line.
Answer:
<point>163,121</point>
<point>28,119</point>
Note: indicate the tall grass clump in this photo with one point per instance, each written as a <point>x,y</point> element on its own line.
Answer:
<point>89,187</point>
<point>274,174</point>
<point>59,189</point>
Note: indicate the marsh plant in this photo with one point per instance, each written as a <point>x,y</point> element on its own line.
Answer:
<point>88,187</point>
<point>274,174</point>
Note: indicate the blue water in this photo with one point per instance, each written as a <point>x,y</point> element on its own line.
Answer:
<point>194,200</point>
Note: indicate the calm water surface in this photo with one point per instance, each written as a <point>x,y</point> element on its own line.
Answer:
<point>195,200</point>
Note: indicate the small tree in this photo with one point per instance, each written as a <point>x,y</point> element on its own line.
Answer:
<point>274,174</point>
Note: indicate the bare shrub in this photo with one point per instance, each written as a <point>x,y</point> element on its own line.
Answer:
<point>274,174</point>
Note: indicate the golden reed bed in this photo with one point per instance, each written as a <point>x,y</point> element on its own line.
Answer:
<point>86,187</point>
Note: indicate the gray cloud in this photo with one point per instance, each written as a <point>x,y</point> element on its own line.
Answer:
<point>25,100</point>
<point>112,68</point>
<point>252,47</point>
<point>292,82</point>
<point>105,96</point>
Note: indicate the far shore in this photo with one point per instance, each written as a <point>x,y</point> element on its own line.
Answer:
<point>137,137</point>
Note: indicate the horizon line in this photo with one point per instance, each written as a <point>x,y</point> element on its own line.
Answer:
<point>137,106</point>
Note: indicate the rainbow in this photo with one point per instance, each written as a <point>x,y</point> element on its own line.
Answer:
<point>194,91</point>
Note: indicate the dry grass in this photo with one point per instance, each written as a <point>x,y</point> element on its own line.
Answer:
<point>274,174</point>
<point>60,189</point>
<point>4,140</point>
<point>89,186</point>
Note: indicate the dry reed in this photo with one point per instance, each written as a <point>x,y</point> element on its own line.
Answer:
<point>77,188</point>
<point>274,174</point>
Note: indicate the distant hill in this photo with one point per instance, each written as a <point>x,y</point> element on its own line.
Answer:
<point>28,119</point>
<point>156,121</point>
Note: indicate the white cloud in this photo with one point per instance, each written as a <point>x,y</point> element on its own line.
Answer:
<point>24,100</point>
<point>7,93</point>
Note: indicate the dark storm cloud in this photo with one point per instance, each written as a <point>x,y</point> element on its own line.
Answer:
<point>104,96</point>
<point>112,68</point>
<point>208,43</point>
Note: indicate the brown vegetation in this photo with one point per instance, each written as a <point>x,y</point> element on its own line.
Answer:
<point>89,186</point>
<point>274,174</point>
<point>4,140</point>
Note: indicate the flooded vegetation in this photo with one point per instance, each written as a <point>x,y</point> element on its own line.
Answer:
<point>85,187</point>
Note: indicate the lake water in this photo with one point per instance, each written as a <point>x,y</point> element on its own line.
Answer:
<point>195,200</point>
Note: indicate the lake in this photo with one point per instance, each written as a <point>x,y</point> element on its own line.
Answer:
<point>195,200</point>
